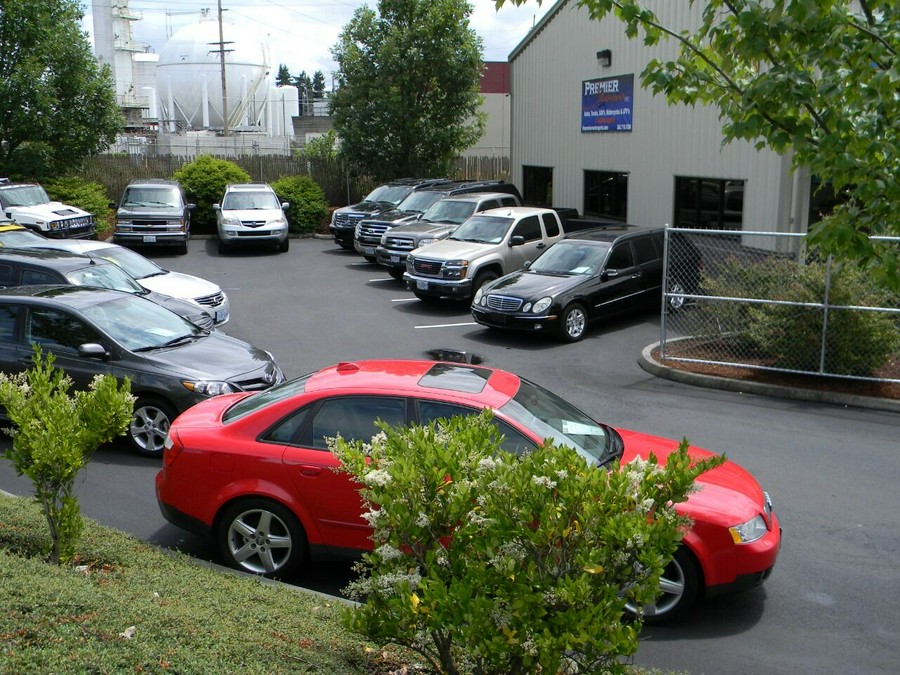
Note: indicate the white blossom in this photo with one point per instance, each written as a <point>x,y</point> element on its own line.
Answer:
<point>543,481</point>
<point>378,478</point>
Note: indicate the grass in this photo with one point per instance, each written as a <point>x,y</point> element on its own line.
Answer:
<point>125,606</point>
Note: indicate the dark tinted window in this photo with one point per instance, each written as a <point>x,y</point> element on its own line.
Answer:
<point>30,277</point>
<point>606,194</point>
<point>551,224</point>
<point>529,228</point>
<point>620,257</point>
<point>537,185</point>
<point>513,441</point>
<point>8,323</point>
<point>353,417</point>
<point>5,275</point>
<point>287,429</point>
<point>57,331</point>
<point>645,249</point>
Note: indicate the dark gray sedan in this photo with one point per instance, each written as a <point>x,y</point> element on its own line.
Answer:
<point>172,362</point>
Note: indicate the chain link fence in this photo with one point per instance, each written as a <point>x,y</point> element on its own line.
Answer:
<point>766,301</point>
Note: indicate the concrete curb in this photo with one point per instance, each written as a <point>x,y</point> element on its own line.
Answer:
<point>654,367</point>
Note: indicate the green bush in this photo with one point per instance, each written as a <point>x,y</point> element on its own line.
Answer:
<point>88,196</point>
<point>204,181</point>
<point>308,204</point>
<point>789,336</point>
<point>485,562</point>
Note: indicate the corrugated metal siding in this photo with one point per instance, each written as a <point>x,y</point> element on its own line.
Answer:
<point>548,69</point>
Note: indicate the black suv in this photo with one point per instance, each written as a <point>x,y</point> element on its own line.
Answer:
<point>369,230</point>
<point>383,198</point>
<point>153,212</point>
<point>29,267</point>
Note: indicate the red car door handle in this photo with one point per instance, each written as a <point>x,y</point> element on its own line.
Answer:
<point>310,470</point>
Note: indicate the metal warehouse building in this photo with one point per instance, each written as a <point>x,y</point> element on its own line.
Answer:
<point>586,135</point>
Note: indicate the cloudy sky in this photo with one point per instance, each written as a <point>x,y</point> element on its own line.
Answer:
<point>300,33</point>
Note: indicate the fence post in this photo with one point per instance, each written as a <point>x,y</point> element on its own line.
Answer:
<point>825,305</point>
<point>665,300</point>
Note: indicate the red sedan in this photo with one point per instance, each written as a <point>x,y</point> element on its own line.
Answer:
<point>254,470</point>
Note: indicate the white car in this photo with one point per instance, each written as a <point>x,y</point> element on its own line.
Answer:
<point>250,213</point>
<point>147,273</point>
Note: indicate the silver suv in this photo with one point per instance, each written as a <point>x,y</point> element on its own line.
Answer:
<point>436,223</point>
<point>250,213</point>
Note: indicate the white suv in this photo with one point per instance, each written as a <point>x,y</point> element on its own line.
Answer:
<point>251,213</point>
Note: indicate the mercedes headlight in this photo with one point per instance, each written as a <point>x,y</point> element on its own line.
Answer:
<point>541,305</point>
<point>479,294</point>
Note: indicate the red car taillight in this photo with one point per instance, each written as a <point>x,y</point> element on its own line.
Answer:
<point>172,447</point>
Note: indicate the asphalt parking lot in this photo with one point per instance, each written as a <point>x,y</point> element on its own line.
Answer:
<point>832,604</point>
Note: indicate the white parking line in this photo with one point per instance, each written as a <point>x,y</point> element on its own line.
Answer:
<point>372,281</point>
<point>405,300</point>
<point>450,325</point>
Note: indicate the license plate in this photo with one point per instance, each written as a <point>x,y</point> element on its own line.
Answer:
<point>221,315</point>
<point>498,318</point>
<point>149,238</point>
<point>421,285</point>
<point>369,250</point>
<point>395,258</point>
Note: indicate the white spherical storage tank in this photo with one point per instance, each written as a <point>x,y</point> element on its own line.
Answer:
<point>189,77</point>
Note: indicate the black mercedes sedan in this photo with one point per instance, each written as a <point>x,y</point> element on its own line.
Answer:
<point>588,275</point>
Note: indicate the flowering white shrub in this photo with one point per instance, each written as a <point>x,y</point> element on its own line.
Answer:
<point>486,562</point>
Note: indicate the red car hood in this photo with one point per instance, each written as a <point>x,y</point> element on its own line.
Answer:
<point>727,495</point>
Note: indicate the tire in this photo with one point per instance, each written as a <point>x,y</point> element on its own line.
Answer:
<point>182,248</point>
<point>260,536</point>
<point>396,272</point>
<point>149,425</point>
<point>679,585</point>
<point>675,302</point>
<point>223,247</point>
<point>481,279</point>
<point>424,297</point>
<point>284,246</point>
<point>370,258</point>
<point>572,323</point>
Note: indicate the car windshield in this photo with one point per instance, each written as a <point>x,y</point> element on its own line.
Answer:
<point>141,325</point>
<point>483,229</point>
<point>239,201</point>
<point>419,201</point>
<point>272,395</point>
<point>449,211</point>
<point>160,197</point>
<point>571,258</point>
<point>549,417</point>
<point>104,276</point>
<point>393,194</point>
<point>13,238</point>
<point>25,195</point>
<point>133,263</point>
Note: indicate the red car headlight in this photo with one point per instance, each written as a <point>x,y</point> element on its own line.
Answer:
<point>746,533</point>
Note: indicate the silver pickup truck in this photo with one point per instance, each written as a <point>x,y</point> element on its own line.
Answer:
<point>485,247</point>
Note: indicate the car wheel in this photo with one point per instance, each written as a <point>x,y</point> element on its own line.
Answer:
<point>223,247</point>
<point>395,272</point>
<point>675,296</point>
<point>678,585</point>
<point>149,426</point>
<point>572,323</point>
<point>260,536</point>
<point>284,246</point>
<point>183,248</point>
<point>370,258</point>
<point>481,280</point>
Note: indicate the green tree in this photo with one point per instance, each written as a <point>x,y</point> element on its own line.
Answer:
<point>318,84</point>
<point>204,181</point>
<point>485,562</point>
<point>55,435</point>
<point>283,78</point>
<point>56,102</point>
<point>816,79</point>
<point>409,76</point>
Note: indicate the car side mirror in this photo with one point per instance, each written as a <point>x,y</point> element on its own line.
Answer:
<point>93,350</point>
<point>217,207</point>
<point>527,264</point>
<point>608,274</point>
<point>285,205</point>
<point>516,240</point>
<point>113,206</point>
<point>191,207</point>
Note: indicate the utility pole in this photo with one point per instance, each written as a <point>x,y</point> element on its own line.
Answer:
<point>221,45</point>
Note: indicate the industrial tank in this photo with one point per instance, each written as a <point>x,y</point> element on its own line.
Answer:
<point>189,77</point>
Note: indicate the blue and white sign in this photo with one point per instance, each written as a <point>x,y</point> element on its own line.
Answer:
<point>606,103</point>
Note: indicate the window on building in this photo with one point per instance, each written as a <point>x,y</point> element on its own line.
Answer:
<point>709,203</point>
<point>606,194</point>
<point>537,185</point>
